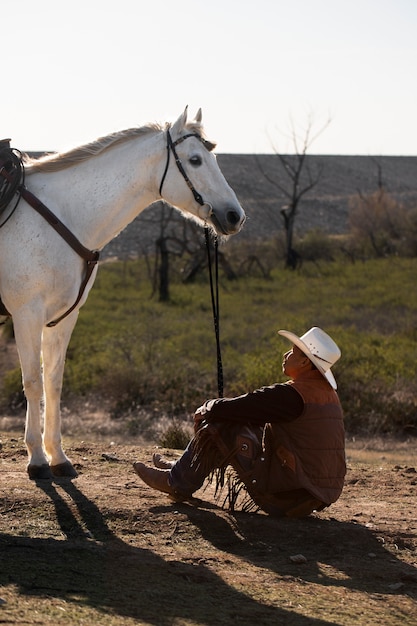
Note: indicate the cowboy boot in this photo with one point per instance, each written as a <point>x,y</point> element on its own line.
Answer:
<point>159,461</point>
<point>157,479</point>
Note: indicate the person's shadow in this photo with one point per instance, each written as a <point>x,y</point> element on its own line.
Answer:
<point>341,554</point>
<point>91,566</point>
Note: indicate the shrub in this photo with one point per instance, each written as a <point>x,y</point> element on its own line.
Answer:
<point>316,246</point>
<point>378,224</point>
<point>175,436</point>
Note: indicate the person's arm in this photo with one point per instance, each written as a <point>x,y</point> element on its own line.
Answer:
<point>275,403</point>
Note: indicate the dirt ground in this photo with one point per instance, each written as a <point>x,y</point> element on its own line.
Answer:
<point>105,549</point>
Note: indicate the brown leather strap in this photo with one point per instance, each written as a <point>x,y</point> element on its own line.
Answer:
<point>54,221</point>
<point>61,229</point>
<point>90,267</point>
<point>91,257</point>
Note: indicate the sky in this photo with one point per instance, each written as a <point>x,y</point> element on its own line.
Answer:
<point>262,71</point>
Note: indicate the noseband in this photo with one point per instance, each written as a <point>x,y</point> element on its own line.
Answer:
<point>171,148</point>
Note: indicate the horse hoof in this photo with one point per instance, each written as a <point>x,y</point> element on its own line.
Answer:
<point>64,470</point>
<point>39,472</point>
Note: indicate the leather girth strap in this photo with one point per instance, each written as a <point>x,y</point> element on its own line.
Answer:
<point>91,257</point>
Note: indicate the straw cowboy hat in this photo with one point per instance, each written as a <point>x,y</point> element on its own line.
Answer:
<point>320,349</point>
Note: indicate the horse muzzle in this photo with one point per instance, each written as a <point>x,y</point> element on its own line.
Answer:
<point>228,223</point>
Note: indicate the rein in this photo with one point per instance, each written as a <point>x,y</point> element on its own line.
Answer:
<point>91,257</point>
<point>214,291</point>
<point>214,284</point>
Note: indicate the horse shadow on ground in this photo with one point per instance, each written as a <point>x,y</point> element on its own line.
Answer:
<point>337,553</point>
<point>92,567</point>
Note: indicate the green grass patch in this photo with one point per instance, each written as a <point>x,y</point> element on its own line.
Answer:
<point>135,351</point>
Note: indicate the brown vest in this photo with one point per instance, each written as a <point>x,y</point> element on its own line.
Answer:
<point>307,453</point>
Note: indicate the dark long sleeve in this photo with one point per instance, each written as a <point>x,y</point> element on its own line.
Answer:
<point>275,403</point>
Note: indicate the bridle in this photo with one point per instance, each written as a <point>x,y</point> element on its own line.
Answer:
<point>214,285</point>
<point>171,145</point>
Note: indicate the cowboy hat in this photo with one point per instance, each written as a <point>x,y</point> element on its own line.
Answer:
<point>319,348</point>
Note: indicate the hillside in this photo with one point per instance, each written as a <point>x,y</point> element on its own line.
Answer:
<point>325,207</point>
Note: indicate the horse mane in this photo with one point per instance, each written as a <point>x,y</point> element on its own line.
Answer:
<point>61,160</point>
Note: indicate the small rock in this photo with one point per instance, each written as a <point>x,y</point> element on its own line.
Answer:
<point>110,457</point>
<point>396,586</point>
<point>298,558</point>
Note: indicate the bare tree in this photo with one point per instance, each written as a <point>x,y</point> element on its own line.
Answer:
<point>299,178</point>
<point>175,237</point>
<point>164,224</point>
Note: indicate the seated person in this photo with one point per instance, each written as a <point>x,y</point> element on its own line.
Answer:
<point>285,441</point>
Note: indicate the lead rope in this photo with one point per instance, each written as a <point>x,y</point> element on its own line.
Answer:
<point>198,198</point>
<point>214,290</point>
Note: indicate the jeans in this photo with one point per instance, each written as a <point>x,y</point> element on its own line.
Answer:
<point>187,475</point>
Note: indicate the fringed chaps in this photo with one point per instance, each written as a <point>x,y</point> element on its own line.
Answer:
<point>219,446</point>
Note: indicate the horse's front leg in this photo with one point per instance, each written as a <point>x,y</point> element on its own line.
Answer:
<point>54,347</point>
<point>28,341</point>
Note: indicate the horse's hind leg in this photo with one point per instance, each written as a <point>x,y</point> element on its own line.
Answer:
<point>28,340</point>
<point>54,347</point>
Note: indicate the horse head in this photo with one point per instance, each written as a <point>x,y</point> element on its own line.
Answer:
<point>201,189</point>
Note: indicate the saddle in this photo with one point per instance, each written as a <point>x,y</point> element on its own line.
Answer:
<point>11,173</point>
<point>11,177</point>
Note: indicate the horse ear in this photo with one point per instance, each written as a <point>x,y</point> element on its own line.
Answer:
<point>199,116</point>
<point>181,122</point>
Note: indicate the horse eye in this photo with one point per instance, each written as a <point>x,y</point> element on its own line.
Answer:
<point>195,161</point>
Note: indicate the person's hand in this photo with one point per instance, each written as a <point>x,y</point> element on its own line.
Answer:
<point>199,417</point>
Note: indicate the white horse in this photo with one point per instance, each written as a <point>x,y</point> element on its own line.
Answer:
<point>95,191</point>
